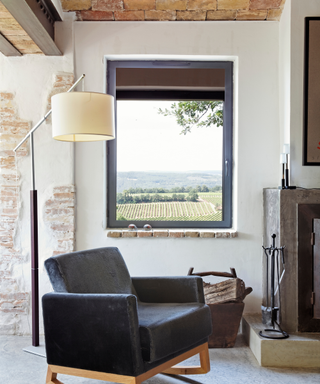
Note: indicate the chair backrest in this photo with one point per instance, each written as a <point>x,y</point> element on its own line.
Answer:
<point>100,270</point>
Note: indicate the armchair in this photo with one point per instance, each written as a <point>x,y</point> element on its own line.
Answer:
<point>102,324</point>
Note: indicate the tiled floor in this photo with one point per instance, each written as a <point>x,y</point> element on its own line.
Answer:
<point>231,365</point>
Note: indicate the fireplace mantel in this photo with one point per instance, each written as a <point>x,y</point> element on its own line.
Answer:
<point>281,217</point>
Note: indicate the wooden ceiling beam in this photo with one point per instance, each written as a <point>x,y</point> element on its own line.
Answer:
<point>7,48</point>
<point>24,15</point>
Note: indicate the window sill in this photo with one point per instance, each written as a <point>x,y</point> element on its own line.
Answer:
<point>173,234</point>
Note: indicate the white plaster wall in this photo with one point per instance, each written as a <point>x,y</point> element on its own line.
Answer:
<point>285,74</point>
<point>304,176</point>
<point>255,48</point>
<point>30,78</point>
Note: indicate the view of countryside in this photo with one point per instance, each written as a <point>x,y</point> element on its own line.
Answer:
<point>172,172</point>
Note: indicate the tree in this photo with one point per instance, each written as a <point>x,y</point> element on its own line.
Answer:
<point>192,196</point>
<point>180,197</point>
<point>175,189</point>
<point>217,188</point>
<point>156,198</point>
<point>120,199</point>
<point>146,198</point>
<point>195,113</point>
<point>137,199</point>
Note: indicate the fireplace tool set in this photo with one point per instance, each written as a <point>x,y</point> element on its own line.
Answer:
<point>274,257</point>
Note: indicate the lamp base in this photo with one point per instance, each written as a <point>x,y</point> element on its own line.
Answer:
<point>39,351</point>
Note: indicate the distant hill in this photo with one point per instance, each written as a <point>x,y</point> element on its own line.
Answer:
<point>152,179</point>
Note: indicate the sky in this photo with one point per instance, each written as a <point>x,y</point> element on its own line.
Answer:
<point>148,141</point>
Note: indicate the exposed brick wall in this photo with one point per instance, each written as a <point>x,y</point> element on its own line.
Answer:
<point>180,10</point>
<point>58,211</point>
<point>13,302</point>
<point>59,215</point>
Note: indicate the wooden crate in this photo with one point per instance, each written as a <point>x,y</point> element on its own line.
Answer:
<point>225,324</point>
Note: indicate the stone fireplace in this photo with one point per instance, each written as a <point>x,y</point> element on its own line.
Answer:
<point>294,216</point>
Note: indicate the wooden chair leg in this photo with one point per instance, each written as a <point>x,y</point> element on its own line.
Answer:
<point>52,377</point>
<point>205,360</point>
<point>193,370</point>
<point>53,370</point>
<point>204,367</point>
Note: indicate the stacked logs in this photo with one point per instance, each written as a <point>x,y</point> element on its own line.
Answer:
<point>232,290</point>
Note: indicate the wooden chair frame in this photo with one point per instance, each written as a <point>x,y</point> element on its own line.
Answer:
<point>167,367</point>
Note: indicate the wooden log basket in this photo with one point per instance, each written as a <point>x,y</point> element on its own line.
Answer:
<point>225,300</point>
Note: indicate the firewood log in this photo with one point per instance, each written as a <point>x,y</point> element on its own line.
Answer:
<point>228,291</point>
<point>232,290</point>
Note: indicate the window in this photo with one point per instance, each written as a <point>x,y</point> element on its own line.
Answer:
<point>162,169</point>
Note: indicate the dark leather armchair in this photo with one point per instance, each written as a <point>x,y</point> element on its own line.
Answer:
<point>102,324</point>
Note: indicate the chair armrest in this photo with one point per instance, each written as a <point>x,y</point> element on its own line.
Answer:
<point>97,332</point>
<point>184,289</point>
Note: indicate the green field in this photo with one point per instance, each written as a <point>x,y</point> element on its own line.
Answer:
<point>214,198</point>
<point>202,210</point>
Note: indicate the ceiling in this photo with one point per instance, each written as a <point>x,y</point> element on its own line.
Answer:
<point>15,34</point>
<point>27,26</point>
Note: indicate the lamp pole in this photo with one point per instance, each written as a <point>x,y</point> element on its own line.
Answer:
<point>34,251</point>
<point>34,229</point>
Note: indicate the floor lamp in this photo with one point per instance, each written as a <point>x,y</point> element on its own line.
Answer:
<point>76,117</point>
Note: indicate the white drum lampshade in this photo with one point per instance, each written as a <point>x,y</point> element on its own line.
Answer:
<point>82,116</point>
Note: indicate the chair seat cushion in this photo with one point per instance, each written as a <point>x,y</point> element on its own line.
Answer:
<point>168,328</point>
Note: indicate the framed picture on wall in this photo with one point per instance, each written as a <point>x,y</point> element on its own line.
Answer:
<point>311,153</point>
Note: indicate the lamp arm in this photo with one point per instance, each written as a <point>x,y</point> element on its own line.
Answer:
<point>45,116</point>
